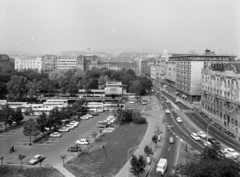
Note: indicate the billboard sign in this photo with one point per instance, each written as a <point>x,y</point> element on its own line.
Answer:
<point>113,91</point>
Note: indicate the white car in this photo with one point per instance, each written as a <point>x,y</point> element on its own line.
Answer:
<point>167,111</point>
<point>36,159</point>
<point>55,135</point>
<point>84,117</point>
<point>167,101</point>
<point>207,144</point>
<point>108,130</point>
<point>63,129</point>
<point>201,134</point>
<point>230,151</point>
<point>195,136</point>
<point>82,141</point>
<point>131,102</point>
<point>89,115</point>
<point>179,120</point>
<point>75,124</point>
<point>71,127</point>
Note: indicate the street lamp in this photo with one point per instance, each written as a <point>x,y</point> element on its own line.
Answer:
<point>128,157</point>
<point>207,129</point>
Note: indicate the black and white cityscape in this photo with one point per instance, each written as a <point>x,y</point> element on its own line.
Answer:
<point>119,88</point>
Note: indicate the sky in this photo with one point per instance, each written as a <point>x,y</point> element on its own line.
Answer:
<point>115,26</point>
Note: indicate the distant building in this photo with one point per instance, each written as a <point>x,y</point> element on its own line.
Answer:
<point>66,62</point>
<point>49,63</point>
<point>153,75</point>
<point>221,92</point>
<point>28,62</point>
<point>5,61</point>
<point>144,65</point>
<point>86,63</point>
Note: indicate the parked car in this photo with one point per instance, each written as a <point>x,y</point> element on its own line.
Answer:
<point>167,111</point>
<point>82,141</point>
<point>63,129</point>
<point>179,119</point>
<point>169,127</point>
<point>74,123</point>
<point>84,117</point>
<point>201,134</point>
<point>94,113</point>
<point>71,127</point>
<point>88,115</point>
<point>55,135</point>
<point>207,144</point>
<point>230,152</point>
<point>167,101</point>
<point>37,158</point>
<point>195,136</point>
<point>171,140</point>
<point>74,149</point>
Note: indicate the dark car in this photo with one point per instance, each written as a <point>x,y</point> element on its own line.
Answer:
<point>214,141</point>
<point>74,149</point>
<point>93,113</point>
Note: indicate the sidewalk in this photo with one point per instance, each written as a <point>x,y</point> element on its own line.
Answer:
<point>228,128</point>
<point>152,119</point>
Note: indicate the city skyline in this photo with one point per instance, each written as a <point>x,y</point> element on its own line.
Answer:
<point>41,27</point>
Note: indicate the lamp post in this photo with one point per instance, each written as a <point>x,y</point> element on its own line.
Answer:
<point>128,158</point>
<point>207,129</point>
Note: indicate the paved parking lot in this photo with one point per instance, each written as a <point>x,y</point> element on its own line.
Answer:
<point>53,148</point>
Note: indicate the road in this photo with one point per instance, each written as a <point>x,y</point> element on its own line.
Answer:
<point>53,148</point>
<point>195,120</point>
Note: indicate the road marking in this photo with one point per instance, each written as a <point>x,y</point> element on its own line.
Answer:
<point>184,137</point>
<point>169,148</point>
<point>177,136</point>
<point>188,129</point>
<point>173,133</point>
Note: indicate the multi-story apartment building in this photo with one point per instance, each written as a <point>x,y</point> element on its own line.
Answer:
<point>28,62</point>
<point>170,75</point>
<point>49,63</point>
<point>221,92</point>
<point>188,72</point>
<point>153,75</point>
<point>86,63</point>
<point>66,62</point>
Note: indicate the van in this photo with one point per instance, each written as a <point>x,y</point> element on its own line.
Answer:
<point>102,124</point>
<point>162,166</point>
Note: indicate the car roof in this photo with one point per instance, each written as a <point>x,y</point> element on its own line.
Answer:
<point>36,156</point>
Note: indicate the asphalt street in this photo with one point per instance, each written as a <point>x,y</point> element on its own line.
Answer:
<point>197,121</point>
<point>53,148</point>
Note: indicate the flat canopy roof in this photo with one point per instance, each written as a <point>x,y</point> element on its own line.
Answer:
<point>92,90</point>
<point>103,98</point>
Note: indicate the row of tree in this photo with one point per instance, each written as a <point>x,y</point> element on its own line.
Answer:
<point>9,115</point>
<point>28,84</point>
<point>44,122</point>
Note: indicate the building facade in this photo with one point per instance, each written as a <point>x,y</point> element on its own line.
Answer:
<point>5,61</point>
<point>66,62</point>
<point>49,63</point>
<point>221,92</point>
<point>28,62</point>
<point>153,75</point>
<point>170,76</point>
<point>188,72</point>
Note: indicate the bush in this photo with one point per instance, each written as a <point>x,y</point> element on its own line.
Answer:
<point>140,120</point>
<point>39,138</point>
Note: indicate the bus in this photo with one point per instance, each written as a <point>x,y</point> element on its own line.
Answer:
<point>59,103</point>
<point>95,106</point>
<point>15,105</point>
<point>113,106</point>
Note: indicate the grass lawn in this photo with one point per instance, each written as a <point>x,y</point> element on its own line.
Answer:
<point>116,145</point>
<point>16,171</point>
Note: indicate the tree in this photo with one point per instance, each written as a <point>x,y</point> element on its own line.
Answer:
<point>33,89</point>
<point>30,129</point>
<point>29,111</point>
<point>154,139</point>
<point>209,165</point>
<point>17,117</point>
<point>7,114</point>
<point>21,157</point>
<point>137,165</point>
<point>1,158</point>
<point>63,157</point>
<point>41,122</point>
<point>102,81</point>
<point>146,84</point>
<point>148,151</point>
<point>136,87</point>
<point>17,87</point>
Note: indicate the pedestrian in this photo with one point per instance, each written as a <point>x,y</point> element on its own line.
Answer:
<point>12,148</point>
